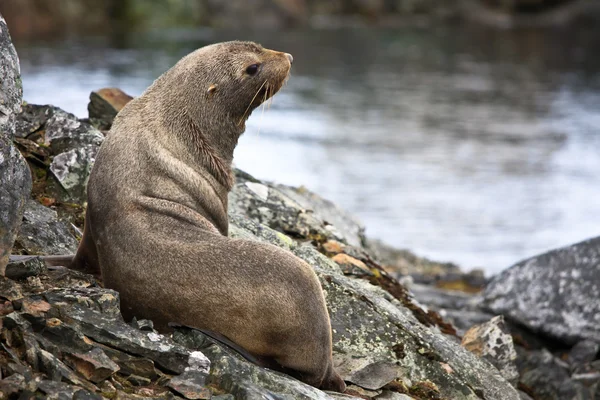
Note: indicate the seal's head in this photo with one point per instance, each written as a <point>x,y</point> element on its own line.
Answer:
<point>246,76</point>
<point>226,81</point>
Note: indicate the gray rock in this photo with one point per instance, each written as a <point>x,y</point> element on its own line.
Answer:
<point>136,380</point>
<point>583,352</point>
<point>61,390</point>
<point>9,289</point>
<point>64,131</point>
<point>104,301</point>
<point>131,365</point>
<point>94,364</point>
<point>493,342</point>
<point>393,396</point>
<point>57,371</point>
<point>42,232</point>
<point>31,119</point>
<point>75,145</point>
<point>293,211</point>
<point>24,268</point>
<point>15,178</point>
<point>373,375</point>
<point>12,385</point>
<point>337,220</point>
<point>191,385</point>
<point>554,293</point>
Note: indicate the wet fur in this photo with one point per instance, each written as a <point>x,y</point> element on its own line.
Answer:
<point>156,225</point>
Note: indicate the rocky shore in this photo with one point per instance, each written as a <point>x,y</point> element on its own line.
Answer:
<point>403,327</point>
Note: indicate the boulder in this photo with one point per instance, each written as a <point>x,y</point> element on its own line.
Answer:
<point>15,178</point>
<point>555,293</point>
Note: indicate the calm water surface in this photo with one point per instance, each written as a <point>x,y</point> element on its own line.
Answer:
<point>462,144</point>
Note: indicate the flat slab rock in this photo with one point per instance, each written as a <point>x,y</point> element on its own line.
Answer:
<point>555,293</point>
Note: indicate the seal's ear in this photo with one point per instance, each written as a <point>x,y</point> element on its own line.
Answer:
<point>211,90</point>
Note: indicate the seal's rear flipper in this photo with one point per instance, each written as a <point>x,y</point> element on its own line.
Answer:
<point>223,340</point>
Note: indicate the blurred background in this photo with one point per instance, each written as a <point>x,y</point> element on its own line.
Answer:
<point>463,130</point>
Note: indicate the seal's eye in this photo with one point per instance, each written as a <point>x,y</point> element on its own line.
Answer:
<point>252,69</point>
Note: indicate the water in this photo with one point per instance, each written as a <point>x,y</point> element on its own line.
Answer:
<point>462,144</point>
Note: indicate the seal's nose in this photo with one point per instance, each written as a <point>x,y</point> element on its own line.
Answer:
<point>289,56</point>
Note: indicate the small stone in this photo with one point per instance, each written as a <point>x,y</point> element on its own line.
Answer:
<point>587,378</point>
<point>34,307</point>
<point>223,397</point>
<point>12,385</point>
<point>57,370</point>
<point>42,232</point>
<point>85,395</point>
<point>583,352</point>
<point>9,289</point>
<point>107,388</point>
<point>374,375</point>
<point>6,307</point>
<point>357,391</point>
<point>387,395</point>
<point>31,118</point>
<point>93,365</point>
<point>55,389</point>
<point>105,104</point>
<point>22,269</point>
<point>198,362</point>
<point>191,385</point>
<point>351,265</point>
<point>136,380</point>
<point>333,247</point>
<point>492,341</point>
<point>142,324</point>
<point>131,365</point>
<point>72,170</point>
<point>260,190</point>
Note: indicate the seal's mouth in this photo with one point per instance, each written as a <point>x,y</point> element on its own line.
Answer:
<point>266,92</point>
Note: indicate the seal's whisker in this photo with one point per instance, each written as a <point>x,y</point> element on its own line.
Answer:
<point>263,110</point>
<point>271,98</point>
<point>251,101</point>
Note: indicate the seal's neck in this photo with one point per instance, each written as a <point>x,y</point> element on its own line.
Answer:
<point>214,148</point>
<point>202,127</point>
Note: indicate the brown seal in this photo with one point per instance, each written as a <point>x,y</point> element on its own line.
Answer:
<point>156,224</point>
